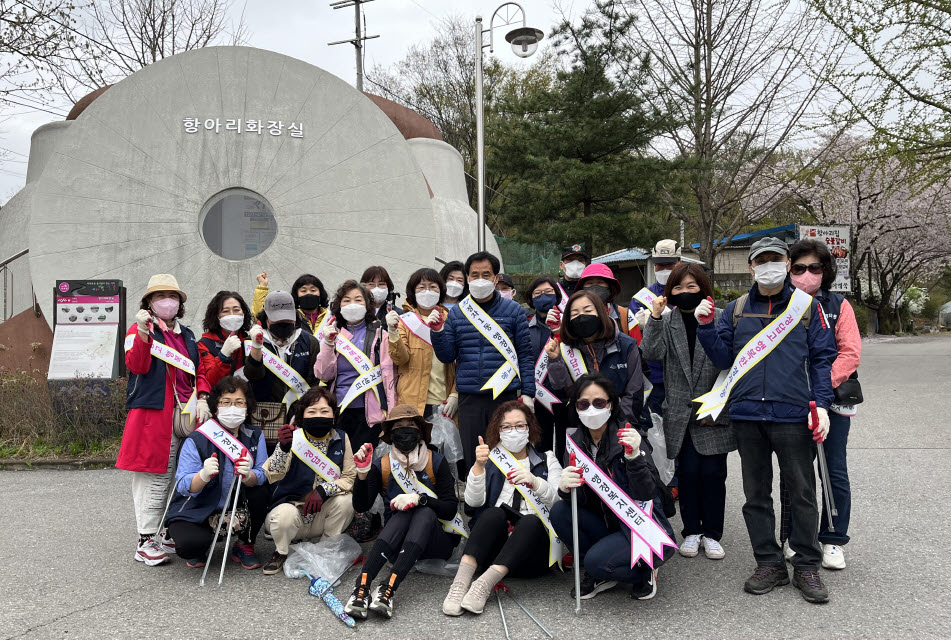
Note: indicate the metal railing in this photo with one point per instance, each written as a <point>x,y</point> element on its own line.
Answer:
<point>7,276</point>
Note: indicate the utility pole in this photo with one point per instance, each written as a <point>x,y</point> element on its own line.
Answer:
<point>359,37</point>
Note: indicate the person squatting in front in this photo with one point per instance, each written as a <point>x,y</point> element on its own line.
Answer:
<point>163,361</point>
<point>309,500</point>
<point>619,452</point>
<point>205,475</point>
<point>515,500</point>
<point>419,502</point>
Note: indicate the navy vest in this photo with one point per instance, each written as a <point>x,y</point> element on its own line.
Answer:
<point>299,480</point>
<point>148,391</point>
<point>393,488</point>
<point>494,480</point>
<point>199,508</point>
<point>615,361</point>
<point>300,362</point>
<point>831,305</point>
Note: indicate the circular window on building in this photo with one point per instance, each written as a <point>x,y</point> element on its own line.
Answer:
<point>238,224</point>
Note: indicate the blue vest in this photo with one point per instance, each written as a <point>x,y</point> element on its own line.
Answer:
<point>495,481</point>
<point>393,488</point>
<point>299,480</point>
<point>300,362</point>
<point>199,508</point>
<point>148,391</point>
<point>615,361</point>
<point>831,305</point>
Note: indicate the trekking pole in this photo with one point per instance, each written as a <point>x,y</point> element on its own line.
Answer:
<point>504,588</point>
<point>211,550</point>
<point>234,511</point>
<point>574,541</point>
<point>505,625</point>
<point>824,471</point>
<point>168,503</point>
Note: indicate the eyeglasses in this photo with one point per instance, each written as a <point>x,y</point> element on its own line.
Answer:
<point>521,426</point>
<point>798,269</point>
<point>599,403</point>
<point>542,292</point>
<point>241,404</point>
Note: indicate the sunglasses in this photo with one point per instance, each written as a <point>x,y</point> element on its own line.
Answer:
<point>798,269</point>
<point>599,403</point>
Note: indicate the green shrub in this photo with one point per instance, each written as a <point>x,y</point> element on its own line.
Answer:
<point>861,317</point>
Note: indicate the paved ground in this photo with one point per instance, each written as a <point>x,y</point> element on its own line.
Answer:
<point>68,536</point>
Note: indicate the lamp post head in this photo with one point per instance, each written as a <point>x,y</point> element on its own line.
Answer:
<point>524,40</point>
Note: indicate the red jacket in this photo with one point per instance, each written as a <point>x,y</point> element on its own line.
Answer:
<point>214,366</point>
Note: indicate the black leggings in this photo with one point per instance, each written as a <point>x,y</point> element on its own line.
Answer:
<point>193,539</point>
<point>524,553</point>
<point>408,536</point>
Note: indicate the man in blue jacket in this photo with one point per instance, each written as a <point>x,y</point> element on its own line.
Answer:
<point>487,337</point>
<point>769,406</point>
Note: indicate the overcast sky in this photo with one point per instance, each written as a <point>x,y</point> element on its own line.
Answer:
<point>302,29</point>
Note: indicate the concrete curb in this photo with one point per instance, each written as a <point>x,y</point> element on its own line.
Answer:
<point>68,464</point>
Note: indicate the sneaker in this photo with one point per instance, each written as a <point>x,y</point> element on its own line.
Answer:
<point>359,601</point>
<point>810,585</point>
<point>166,543</point>
<point>765,579</point>
<point>476,597</point>
<point>690,547</point>
<point>244,553</point>
<point>195,564</point>
<point>788,553</point>
<point>712,549</point>
<point>275,564</point>
<point>833,557</point>
<point>383,598</point>
<point>150,552</point>
<point>591,587</point>
<point>452,605</point>
<point>647,590</point>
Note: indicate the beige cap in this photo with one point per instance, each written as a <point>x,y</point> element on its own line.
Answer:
<point>666,251</point>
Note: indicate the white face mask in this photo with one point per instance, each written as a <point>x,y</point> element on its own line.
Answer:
<point>427,299</point>
<point>231,323</point>
<point>354,313</point>
<point>232,417</point>
<point>514,440</point>
<point>481,288</point>
<point>454,289</point>
<point>662,276</point>
<point>770,274</point>
<point>379,294</point>
<point>595,418</point>
<point>573,269</point>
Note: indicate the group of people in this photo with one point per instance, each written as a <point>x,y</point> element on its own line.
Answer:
<point>316,408</point>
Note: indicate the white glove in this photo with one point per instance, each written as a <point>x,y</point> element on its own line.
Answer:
<point>203,411</point>
<point>642,316</point>
<point>392,320</point>
<point>256,336</point>
<point>144,319</point>
<point>209,468</point>
<point>404,501</point>
<point>704,312</point>
<point>243,467</point>
<point>434,318</point>
<point>232,344</point>
<point>330,333</point>
<point>570,479</point>
<point>450,406</point>
<point>630,439</point>
<point>820,432</point>
<point>522,476</point>
<point>529,402</point>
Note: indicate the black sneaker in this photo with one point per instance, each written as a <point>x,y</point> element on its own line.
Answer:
<point>646,590</point>
<point>765,579</point>
<point>359,600</point>
<point>810,585</point>
<point>591,587</point>
<point>383,598</point>
<point>275,564</point>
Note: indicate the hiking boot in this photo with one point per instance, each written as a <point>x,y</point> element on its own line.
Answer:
<point>195,564</point>
<point>383,598</point>
<point>833,557</point>
<point>359,601</point>
<point>150,552</point>
<point>765,579</point>
<point>712,549</point>
<point>591,587</point>
<point>810,585</point>
<point>275,564</point>
<point>243,552</point>
<point>646,590</point>
<point>690,547</point>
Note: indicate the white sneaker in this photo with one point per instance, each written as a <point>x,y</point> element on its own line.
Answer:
<point>150,552</point>
<point>165,543</point>
<point>833,557</point>
<point>690,547</point>
<point>788,553</point>
<point>712,549</point>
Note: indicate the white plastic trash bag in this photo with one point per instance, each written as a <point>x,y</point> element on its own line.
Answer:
<point>447,568</point>
<point>325,559</point>
<point>655,435</point>
<point>446,436</point>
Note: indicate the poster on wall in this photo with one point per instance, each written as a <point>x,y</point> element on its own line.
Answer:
<point>88,318</point>
<point>838,239</point>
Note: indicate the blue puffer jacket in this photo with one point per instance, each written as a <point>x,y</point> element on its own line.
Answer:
<point>656,367</point>
<point>797,371</point>
<point>476,359</point>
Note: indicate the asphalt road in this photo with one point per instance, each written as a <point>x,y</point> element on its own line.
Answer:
<point>67,539</point>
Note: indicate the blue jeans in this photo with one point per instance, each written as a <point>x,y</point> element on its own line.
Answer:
<point>604,555</point>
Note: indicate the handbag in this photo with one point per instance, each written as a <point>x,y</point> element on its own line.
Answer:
<point>269,417</point>
<point>849,393</point>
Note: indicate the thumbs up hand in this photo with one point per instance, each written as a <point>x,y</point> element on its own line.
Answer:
<point>482,454</point>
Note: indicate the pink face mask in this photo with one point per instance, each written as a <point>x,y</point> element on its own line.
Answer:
<point>166,308</point>
<point>808,282</point>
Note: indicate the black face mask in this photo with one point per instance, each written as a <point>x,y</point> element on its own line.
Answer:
<point>281,331</point>
<point>317,426</point>
<point>687,301</point>
<point>308,302</point>
<point>584,326</point>
<point>405,438</point>
<point>602,292</point>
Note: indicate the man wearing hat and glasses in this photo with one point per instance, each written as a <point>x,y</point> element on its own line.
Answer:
<point>779,357</point>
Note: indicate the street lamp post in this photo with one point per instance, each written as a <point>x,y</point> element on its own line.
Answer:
<point>524,41</point>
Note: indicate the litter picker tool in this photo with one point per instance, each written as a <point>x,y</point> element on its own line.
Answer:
<point>211,550</point>
<point>823,470</point>
<point>168,503</point>
<point>234,511</point>
<point>503,587</point>
<point>574,541</point>
<point>505,625</point>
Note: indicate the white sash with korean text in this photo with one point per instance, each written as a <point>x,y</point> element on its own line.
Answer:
<point>222,438</point>
<point>542,394</point>
<point>314,458</point>
<point>575,362</point>
<point>407,481</point>
<point>369,376</point>
<point>492,332</point>
<point>171,356</point>
<point>754,352</point>
<point>415,325</point>
<point>296,385</point>
<point>646,297</point>
<point>647,537</point>
<point>506,462</point>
